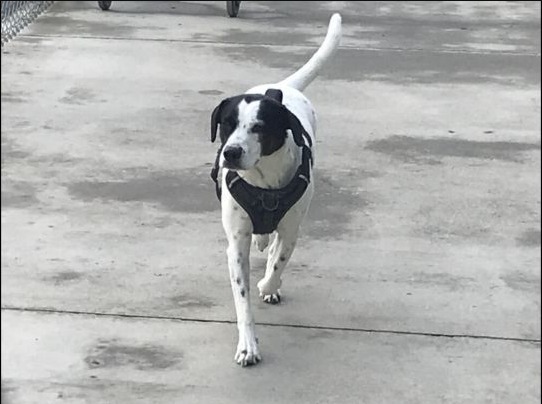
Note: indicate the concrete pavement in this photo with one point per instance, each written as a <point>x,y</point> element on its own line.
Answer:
<point>417,275</point>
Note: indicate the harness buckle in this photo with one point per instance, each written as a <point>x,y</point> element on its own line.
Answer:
<point>270,202</point>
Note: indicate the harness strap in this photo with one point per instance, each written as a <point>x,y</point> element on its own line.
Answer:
<point>267,207</point>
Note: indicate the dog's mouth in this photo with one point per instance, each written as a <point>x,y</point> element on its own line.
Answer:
<point>237,167</point>
<point>231,166</point>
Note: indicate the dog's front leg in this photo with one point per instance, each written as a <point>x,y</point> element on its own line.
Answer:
<point>239,233</point>
<point>238,262</point>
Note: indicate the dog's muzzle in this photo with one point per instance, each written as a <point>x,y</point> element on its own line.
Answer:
<point>232,156</point>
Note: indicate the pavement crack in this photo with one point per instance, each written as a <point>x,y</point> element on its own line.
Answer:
<point>268,324</point>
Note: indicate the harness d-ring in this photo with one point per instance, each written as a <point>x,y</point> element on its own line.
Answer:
<point>267,197</point>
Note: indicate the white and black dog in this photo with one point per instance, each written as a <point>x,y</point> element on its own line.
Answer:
<point>266,157</point>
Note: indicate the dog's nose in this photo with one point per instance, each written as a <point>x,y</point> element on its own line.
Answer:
<point>232,153</point>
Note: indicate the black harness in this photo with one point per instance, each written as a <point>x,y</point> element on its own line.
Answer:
<point>266,207</point>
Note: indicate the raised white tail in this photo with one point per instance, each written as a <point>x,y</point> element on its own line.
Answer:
<point>308,72</point>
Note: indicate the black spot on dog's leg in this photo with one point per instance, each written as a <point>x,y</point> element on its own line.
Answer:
<point>275,268</point>
<point>282,258</point>
<point>242,292</point>
<point>238,280</point>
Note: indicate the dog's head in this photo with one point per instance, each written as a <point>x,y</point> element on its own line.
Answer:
<point>253,126</point>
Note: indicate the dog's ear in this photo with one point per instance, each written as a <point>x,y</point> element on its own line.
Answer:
<point>274,94</point>
<point>297,129</point>
<point>216,116</point>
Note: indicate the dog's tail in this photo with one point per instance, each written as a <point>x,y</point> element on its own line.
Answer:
<point>306,74</point>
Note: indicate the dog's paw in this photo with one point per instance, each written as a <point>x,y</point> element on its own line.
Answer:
<point>261,241</point>
<point>248,353</point>
<point>269,289</point>
<point>273,298</point>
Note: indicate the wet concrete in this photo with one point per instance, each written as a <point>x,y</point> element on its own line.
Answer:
<point>425,221</point>
<point>78,95</point>
<point>64,276</point>
<point>520,281</point>
<point>186,191</point>
<point>353,65</point>
<point>529,238</point>
<point>440,279</point>
<point>191,301</point>
<point>115,354</point>
<point>414,149</point>
<point>333,206</point>
<point>66,24</point>
<point>13,97</point>
<point>19,195</point>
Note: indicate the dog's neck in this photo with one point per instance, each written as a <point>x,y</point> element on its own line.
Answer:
<point>276,170</point>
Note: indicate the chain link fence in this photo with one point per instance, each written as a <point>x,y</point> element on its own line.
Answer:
<point>16,15</point>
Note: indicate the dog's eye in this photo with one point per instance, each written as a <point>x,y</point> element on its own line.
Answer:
<point>257,128</point>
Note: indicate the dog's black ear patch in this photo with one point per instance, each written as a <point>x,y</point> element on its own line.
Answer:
<point>216,117</point>
<point>225,114</point>
<point>274,123</point>
<point>297,129</point>
<point>274,94</point>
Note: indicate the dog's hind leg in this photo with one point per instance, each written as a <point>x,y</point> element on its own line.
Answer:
<point>282,248</point>
<point>261,241</point>
<point>279,253</point>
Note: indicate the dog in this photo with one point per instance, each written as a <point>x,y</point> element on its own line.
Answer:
<point>266,186</point>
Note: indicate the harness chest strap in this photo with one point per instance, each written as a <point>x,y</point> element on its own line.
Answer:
<point>266,207</point>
